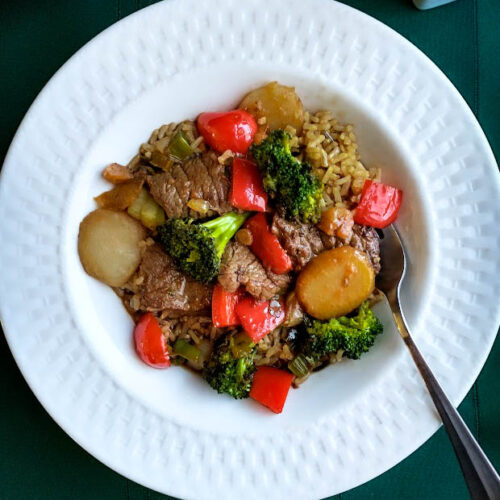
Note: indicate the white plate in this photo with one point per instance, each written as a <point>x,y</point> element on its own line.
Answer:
<point>71,337</point>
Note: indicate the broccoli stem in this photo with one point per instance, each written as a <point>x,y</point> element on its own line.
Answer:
<point>223,228</point>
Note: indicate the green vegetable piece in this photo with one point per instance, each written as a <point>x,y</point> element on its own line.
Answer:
<point>301,365</point>
<point>355,334</point>
<point>228,374</point>
<point>198,248</point>
<point>179,146</point>
<point>145,209</point>
<point>134,210</point>
<point>186,350</point>
<point>241,345</point>
<point>152,215</point>
<point>290,182</point>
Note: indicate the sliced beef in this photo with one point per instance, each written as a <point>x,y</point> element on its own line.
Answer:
<point>365,238</point>
<point>241,267</point>
<point>304,241</point>
<point>165,288</point>
<point>301,241</point>
<point>201,177</point>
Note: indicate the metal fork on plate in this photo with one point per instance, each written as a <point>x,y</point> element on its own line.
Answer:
<point>480,475</point>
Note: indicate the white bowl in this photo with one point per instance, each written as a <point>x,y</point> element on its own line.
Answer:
<point>71,336</point>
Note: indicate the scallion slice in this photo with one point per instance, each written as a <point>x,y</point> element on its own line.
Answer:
<point>186,350</point>
<point>179,146</point>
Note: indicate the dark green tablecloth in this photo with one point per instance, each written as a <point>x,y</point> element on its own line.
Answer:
<point>38,460</point>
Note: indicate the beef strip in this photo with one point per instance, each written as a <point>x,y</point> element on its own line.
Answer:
<point>365,238</point>
<point>241,267</point>
<point>301,241</point>
<point>304,241</point>
<point>165,288</point>
<point>201,177</point>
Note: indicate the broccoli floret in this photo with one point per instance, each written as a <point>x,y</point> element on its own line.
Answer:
<point>231,367</point>
<point>354,334</point>
<point>198,248</point>
<point>290,182</point>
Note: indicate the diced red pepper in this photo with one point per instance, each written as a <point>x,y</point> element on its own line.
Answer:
<point>247,191</point>
<point>270,387</point>
<point>232,130</point>
<point>150,342</point>
<point>223,306</point>
<point>379,205</point>
<point>266,246</point>
<point>260,318</point>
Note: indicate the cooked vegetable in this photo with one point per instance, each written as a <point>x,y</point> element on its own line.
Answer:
<point>116,173</point>
<point>233,130</point>
<point>198,205</point>
<point>260,318</point>
<point>205,349</point>
<point>121,196</point>
<point>159,159</point>
<point>295,337</point>
<point>302,364</point>
<point>247,191</point>
<point>198,248</point>
<point>291,183</point>
<point>231,373</point>
<point>294,312</point>
<point>335,282</point>
<point>179,146</point>
<point>270,387</point>
<point>354,334</point>
<point>379,205</point>
<point>267,246</point>
<point>337,221</point>
<point>150,342</point>
<point>223,306</point>
<point>244,236</point>
<point>187,350</point>
<point>145,209</point>
<point>277,104</point>
<point>108,245</point>
<point>241,344</point>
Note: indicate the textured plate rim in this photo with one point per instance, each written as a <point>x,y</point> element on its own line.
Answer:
<point>115,27</point>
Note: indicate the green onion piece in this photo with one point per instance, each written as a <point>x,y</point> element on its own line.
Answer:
<point>301,365</point>
<point>179,146</point>
<point>241,345</point>
<point>186,350</point>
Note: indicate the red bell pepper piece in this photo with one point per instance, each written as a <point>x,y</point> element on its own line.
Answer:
<point>232,130</point>
<point>223,306</point>
<point>247,191</point>
<point>150,342</point>
<point>266,246</point>
<point>260,318</point>
<point>379,205</point>
<point>270,387</point>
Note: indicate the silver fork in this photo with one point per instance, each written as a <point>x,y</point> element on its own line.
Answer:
<point>480,475</point>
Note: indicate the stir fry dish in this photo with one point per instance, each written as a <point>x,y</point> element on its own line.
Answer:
<point>243,244</point>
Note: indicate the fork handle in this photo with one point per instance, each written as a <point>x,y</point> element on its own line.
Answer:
<point>480,475</point>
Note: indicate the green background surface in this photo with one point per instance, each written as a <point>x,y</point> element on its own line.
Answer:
<point>38,460</point>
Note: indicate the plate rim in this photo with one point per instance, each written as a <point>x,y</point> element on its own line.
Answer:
<point>115,27</point>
